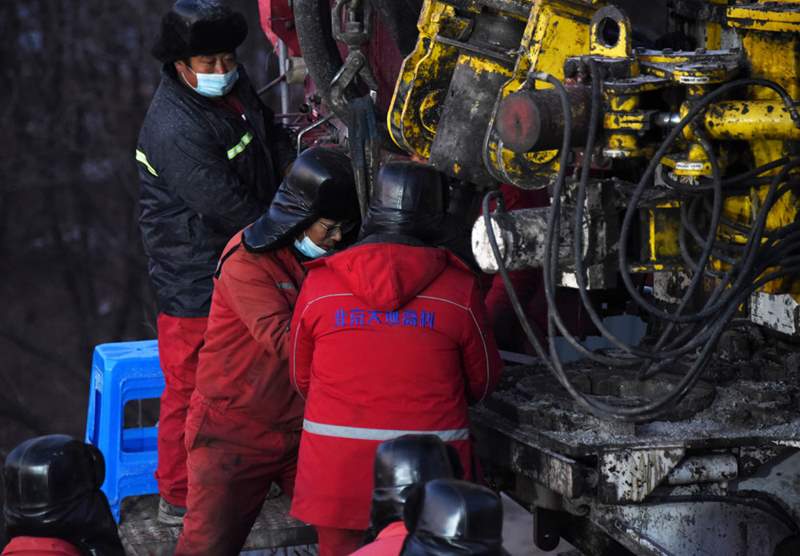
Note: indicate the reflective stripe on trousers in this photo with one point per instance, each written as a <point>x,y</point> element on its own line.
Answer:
<point>360,433</point>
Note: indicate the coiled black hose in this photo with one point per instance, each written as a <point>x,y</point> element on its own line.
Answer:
<point>695,110</point>
<point>783,248</point>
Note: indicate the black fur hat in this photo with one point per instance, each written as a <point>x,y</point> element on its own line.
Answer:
<point>198,27</point>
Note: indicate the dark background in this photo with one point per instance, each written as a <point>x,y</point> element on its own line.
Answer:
<point>77,77</point>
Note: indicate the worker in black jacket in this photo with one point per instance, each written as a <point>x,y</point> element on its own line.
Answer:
<point>210,160</point>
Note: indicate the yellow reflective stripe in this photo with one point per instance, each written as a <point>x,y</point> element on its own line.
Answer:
<point>234,151</point>
<point>140,157</point>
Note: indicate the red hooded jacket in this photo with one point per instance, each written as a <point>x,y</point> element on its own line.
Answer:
<point>243,392</point>
<point>387,339</point>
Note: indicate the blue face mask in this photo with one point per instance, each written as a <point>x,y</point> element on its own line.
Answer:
<point>309,248</point>
<point>214,85</point>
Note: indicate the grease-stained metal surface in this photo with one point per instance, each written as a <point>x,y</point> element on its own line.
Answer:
<point>699,67</point>
<point>750,398</point>
<point>630,475</point>
<point>748,120</point>
<point>776,17</point>
<point>780,312</point>
<point>465,116</point>
<point>695,527</point>
<point>768,48</point>
<point>715,468</point>
<point>521,236</point>
<point>521,239</point>
<point>781,479</point>
<point>518,451</point>
<point>706,478</point>
<point>659,233</point>
<point>425,71</point>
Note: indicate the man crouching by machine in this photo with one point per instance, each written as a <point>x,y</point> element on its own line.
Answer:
<point>243,427</point>
<point>389,338</point>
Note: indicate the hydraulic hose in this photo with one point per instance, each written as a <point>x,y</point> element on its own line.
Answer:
<point>724,301</point>
<point>321,55</point>
<point>552,239</point>
<point>695,110</point>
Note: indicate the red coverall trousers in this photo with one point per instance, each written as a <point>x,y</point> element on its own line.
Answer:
<point>227,490</point>
<point>338,542</point>
<point>179,343</point>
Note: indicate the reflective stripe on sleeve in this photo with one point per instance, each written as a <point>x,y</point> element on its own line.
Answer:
<point>140,157</point>
<point>233,152</point>
<point>359,433</point>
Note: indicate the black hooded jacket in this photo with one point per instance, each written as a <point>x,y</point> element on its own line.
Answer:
<point>205,173</point>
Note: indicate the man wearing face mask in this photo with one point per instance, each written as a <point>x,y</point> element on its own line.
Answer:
<point>244,422</point>
<point>209,160</point>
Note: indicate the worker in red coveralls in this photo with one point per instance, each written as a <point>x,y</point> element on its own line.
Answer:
<point>401,465</point>
<point>210,160</point>
<point>244,422</point>
<point>388,338</point>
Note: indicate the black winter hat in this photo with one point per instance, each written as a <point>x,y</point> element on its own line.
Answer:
<point>447,517</point>
<point>401,464</point>
<point>408,199</point>
<point>52,489</point>
<point>319,185</point>
<point>50,470</point>
<point>198,27</point>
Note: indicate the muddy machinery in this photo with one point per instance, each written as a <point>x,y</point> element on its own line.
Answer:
<point>672,166</point>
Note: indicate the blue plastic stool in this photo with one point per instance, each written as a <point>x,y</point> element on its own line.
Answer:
<point>122,372</point>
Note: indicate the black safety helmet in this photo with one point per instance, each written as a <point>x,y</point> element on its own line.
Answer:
<point>401,464</point>
<point>319,185</point>
<point>52,489</point>
<point>198,27</point>
<point>447,516</point>
<point>51,470</point>
<point>408,199</point>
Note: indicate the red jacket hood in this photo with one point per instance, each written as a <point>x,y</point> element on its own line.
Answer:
<point>386,276</point>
